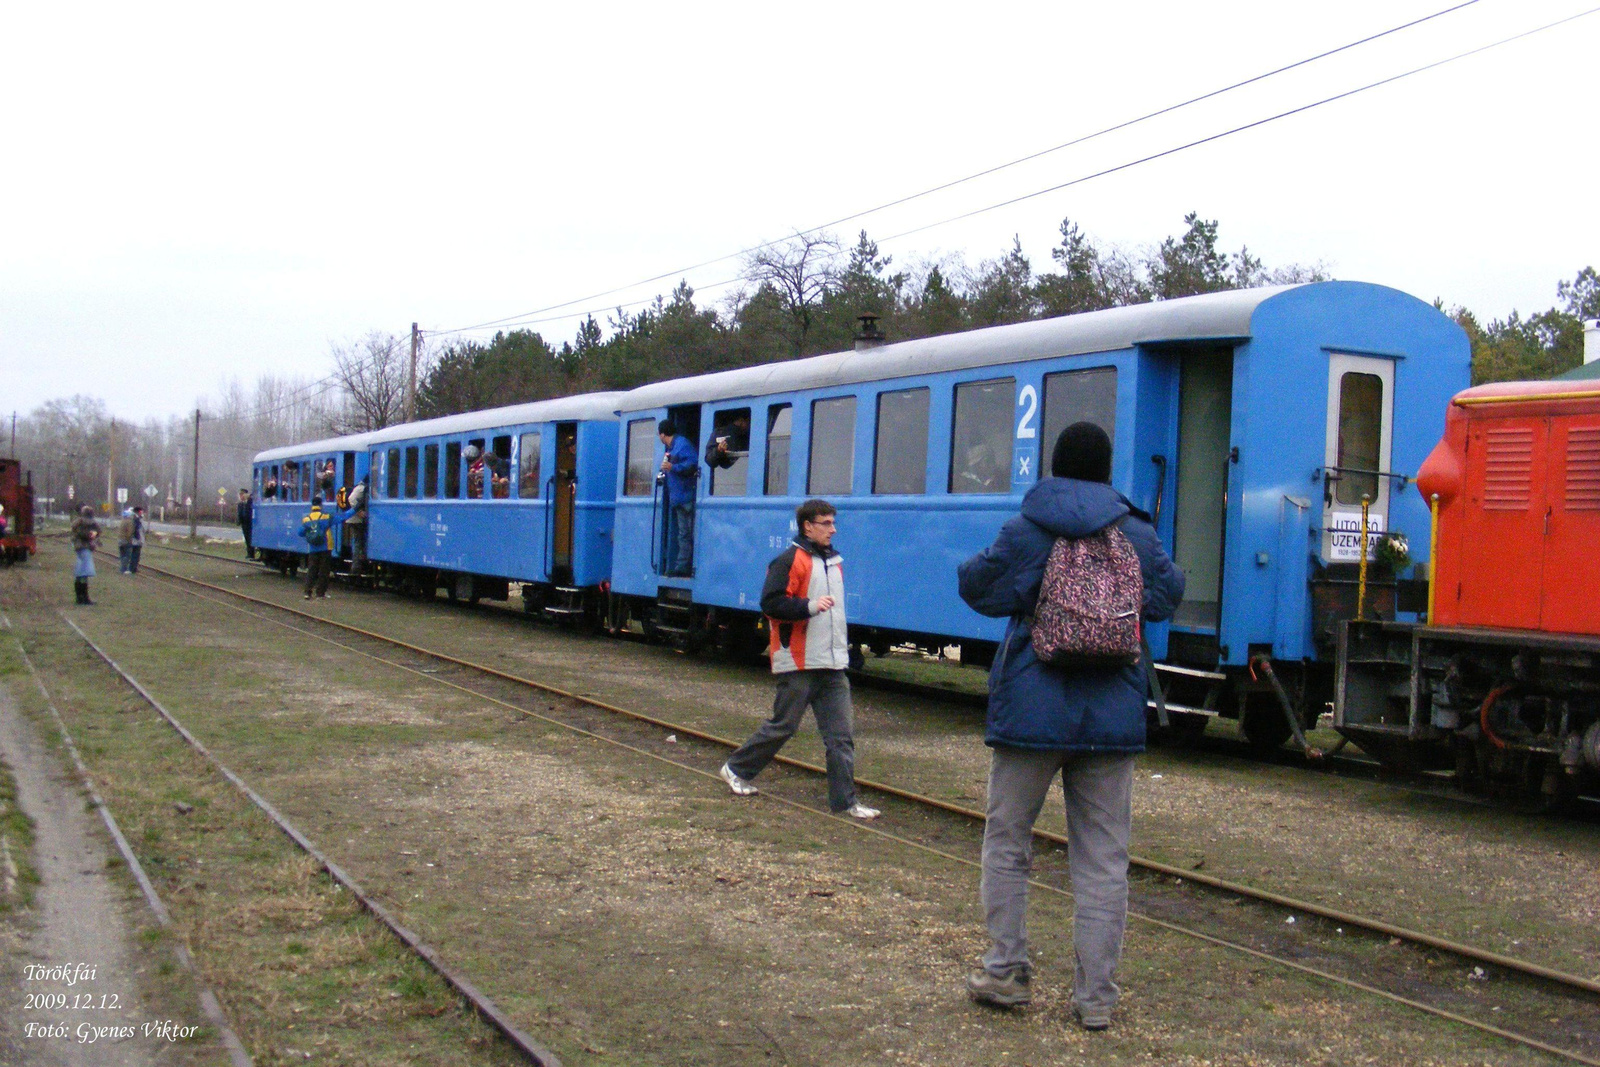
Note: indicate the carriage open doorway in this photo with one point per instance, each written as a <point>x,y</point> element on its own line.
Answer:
<point>564,496</point>
<point>1205,426</point>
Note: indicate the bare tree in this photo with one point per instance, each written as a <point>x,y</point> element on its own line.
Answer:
<point>372,375</point>
<point>800,272</point>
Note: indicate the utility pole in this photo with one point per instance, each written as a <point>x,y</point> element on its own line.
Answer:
<point>111,471</point>
<point>195,487</point>
<point>411,376</point>
<point>13,433</point>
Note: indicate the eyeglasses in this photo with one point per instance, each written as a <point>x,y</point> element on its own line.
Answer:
<point>822,522</point>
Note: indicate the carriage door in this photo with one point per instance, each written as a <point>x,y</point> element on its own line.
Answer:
<point>565,502</point>
<point>1360,422</point>
<point>1205,427</point>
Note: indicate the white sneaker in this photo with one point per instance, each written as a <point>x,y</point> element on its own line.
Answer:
<point>859,810</point>
<point>740,787</point>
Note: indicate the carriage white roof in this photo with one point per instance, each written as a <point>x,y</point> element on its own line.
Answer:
<point>584,407</point>
<point>1191,318</point>
<point>354,442</point>
<point>581,408</point>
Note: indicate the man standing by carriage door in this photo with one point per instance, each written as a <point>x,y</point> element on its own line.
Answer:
<point>357,525</point>
<point>679,466</point>
<point>246,519</point>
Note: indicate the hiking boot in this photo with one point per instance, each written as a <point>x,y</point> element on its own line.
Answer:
<point>859,810</point>
<point>1007,992</point>
<point>1093,1019</point>
<point>740,787</point>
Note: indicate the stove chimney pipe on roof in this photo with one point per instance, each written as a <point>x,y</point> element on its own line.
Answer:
<point>869,336</point>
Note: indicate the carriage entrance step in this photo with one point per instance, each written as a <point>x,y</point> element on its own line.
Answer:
<point>1190,672</point>
<point>1185,709</point>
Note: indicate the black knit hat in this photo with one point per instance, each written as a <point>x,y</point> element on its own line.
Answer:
<point>1083,451</point>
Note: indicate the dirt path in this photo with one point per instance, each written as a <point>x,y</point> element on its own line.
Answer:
<point>81,936</point>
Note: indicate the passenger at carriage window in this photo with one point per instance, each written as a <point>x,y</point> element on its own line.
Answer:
<point>978,470</point>
<point>326,478</point>
<point>680,468</point>
<point>1085,723</point>
<point>473,454</point>
<point>729,441</point>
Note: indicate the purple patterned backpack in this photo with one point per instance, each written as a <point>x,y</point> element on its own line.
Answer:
<point>1089,602</point>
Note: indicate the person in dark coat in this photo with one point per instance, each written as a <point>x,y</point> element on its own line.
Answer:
<point>246,513</point>
<point>1086,723</point>
<point>679,467</point>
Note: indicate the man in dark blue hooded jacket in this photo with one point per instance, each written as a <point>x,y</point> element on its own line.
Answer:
<point>1086,723</point>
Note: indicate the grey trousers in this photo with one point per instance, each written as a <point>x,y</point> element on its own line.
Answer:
<point>1098,793</point>
<point>828,693</point>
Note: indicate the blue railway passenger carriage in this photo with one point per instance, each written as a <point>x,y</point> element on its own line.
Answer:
<point>285,479</point>
<point>474,502</point>
<point>1251,424</point>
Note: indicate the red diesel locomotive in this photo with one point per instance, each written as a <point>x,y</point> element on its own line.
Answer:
<point>1502,679</point>
<point>16,513</point>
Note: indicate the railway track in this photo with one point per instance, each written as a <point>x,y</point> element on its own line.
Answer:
<point>1574,992</point>
<point>1440,786</point>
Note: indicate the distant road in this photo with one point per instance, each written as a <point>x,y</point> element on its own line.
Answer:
<point>221,533</point>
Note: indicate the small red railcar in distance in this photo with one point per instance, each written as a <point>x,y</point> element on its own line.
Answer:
<point>16,498</point>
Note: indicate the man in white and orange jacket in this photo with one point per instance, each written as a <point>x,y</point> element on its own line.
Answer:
<point>803,599</point>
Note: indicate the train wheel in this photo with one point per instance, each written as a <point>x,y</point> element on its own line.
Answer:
<point>1263,723</point>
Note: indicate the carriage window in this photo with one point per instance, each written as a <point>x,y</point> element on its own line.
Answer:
<point>452,469</point>
<point>833,446</point>
<point>779,420</point>
<point>1360,435</point>
<point>1076,396</point>
<point>528,457</point>
<point>475,469</point>
<point>291,481</point>
<point>391,470</point>
<point>640,474</point>
<point>730,451</point>
<point>430,470</point>
<point>980,442</point>
<point>270,489</point>
<point>349,470</point>
<point>900,461</point>
<point>411,471</point>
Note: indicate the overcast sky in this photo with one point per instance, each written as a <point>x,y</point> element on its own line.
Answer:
<point>193,192</point>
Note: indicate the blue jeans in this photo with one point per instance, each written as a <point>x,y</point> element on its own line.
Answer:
<point>677,553</point>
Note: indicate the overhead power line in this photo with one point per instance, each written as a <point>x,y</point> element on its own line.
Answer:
<point>1151,157</point>
<point>857,215</point>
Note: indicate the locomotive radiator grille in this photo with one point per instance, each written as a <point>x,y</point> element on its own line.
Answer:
<point>1508,469</point>
<point>1582,490</point>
